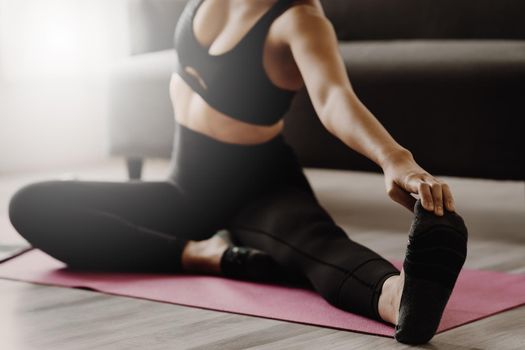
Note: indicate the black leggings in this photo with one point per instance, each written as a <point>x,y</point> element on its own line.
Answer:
<point>258,192</point>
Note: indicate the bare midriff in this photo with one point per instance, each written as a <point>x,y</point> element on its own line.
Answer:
<point>192,111</point>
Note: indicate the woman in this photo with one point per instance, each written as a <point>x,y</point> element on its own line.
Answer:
<point>233,178</point>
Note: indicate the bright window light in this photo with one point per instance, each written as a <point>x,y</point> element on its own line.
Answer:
<point>50,38</point>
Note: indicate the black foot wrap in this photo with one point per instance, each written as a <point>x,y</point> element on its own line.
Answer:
<point>436,251</point>
<point>246,263</point>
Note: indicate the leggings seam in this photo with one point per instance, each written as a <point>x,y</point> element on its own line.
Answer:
<point>132,224</point>
<point>291,246</point>
<point>350,274</point>
<point>256,230</point>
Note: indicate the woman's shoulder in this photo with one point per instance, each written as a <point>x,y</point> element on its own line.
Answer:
<point>306,8</point>
<point>303,15</point>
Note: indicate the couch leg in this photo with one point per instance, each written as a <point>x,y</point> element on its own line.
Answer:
<point>134,166</point>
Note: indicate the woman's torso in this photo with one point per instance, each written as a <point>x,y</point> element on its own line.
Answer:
<point>219,25</point>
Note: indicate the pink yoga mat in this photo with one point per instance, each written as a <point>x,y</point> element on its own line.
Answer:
<point>478,294</point>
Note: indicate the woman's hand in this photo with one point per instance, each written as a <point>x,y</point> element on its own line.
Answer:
<point>404,176</point>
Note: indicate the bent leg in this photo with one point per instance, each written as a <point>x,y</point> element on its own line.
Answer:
<point>291,226</point>
<point>106,225</point>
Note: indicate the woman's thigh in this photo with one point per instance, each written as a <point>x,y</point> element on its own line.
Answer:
<point>107,224</point>
<point>158,205</point>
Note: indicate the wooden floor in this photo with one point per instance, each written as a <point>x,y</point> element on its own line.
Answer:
<point>42,317</point>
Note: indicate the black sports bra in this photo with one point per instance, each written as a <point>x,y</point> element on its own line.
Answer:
<point>235,82</point>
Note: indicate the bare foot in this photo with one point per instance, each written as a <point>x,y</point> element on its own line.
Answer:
<point>390,298</point>
<point>204,256</point>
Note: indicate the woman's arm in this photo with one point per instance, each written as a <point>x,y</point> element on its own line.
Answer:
<point>314,45</point>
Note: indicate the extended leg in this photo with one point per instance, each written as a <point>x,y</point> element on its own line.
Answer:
<point>106,225</point>
<point>291,225</point>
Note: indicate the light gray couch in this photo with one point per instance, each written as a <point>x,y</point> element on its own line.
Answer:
<point>446,78</point>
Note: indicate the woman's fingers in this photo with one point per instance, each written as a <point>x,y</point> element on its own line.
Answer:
<point>417,184</point>
<point>437,195</point>
<point>449,200</point>
<point>425,194</point>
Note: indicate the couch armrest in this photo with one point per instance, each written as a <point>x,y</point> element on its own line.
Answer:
<point>140,111</point>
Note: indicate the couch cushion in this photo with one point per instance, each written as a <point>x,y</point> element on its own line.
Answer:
<point>426,19</point>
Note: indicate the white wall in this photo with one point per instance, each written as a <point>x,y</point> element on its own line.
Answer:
<point>54,60</point>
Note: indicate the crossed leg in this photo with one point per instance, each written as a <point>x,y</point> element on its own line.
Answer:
<point>108,225</point>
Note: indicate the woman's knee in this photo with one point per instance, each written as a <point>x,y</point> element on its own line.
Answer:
<point>25,204</point>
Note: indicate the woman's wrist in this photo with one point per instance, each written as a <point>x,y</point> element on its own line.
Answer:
<point>395,156</point>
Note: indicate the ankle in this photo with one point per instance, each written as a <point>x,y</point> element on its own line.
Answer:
<point>388,305</point>
<point>203,256</point>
